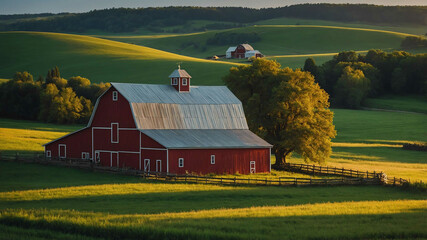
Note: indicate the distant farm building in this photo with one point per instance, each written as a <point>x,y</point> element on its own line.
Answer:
<point>242,51</point>
<point>171,129</point>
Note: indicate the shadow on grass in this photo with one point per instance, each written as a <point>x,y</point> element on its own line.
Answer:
<point>409,225</point>
<point>152,203</point>
<point>379,154</point>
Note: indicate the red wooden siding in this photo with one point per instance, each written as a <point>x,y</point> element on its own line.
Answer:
<point>154,155</point>
<point>147,142</point>
<point>128,140</point>
<point>75,144</point>
<point>109,111</point>
<point>231,161</point>
<point>184,88</point>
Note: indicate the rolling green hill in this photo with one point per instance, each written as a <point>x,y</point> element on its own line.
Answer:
<point>98,59</point>
<point>277,41</point>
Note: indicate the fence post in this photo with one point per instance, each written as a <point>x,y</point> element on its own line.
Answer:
<point>280,181</point>
<point>234,180</point>
<point>394,181</point>
<point>320,169</point>
<point>313,169</point>
<point>342,172</point>
<point>266,183</point>
<point>206,180</point>
<point>367,174</point>
<point>221,180</point>
<point>296,182</point>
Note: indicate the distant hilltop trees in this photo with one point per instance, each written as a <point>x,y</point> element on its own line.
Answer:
<point>128,19</point>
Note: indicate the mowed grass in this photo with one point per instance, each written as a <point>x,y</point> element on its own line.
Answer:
<point>99,60</point>
<point>127,207</point>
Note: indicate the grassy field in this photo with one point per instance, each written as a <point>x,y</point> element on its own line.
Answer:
<point>414,103</point>
<point>288,44</point>
<point>99,59</point>
<point>410,29</point>
<point>78,204</point>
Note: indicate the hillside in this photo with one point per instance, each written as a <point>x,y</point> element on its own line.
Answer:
<point>98,59</point>
<point>276,41</point>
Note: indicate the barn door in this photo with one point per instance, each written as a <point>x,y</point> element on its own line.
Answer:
<point>252,167</point>
<point>146,165</point>
<point>158,165</point>
<point>114,162</point>
<point>62,151</point>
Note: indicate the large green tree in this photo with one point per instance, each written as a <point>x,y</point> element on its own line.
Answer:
<point>285,107</point>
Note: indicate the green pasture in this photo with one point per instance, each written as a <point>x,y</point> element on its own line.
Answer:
<point>410,29</point>
<point>288,44</point>
<point>413,103</point>
<point>98,59</point>
<point>79,204</point>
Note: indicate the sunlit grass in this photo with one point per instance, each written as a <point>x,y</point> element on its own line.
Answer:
<point>362,220</point>
<point>105,190</point>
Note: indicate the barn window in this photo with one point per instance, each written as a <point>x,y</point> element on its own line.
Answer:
<point>181,162</point>
<point>85,155</point>
<point>184,82</point>
<point>212,159</point>
<point>114,132</point>
<point>62,150</point>
<point>115,95</point>
<point>174,81</point>
<point>48,153</point>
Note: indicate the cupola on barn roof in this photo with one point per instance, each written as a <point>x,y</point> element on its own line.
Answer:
<point>179,73</point>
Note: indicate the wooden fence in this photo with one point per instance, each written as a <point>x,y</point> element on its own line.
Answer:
<point>279,181</point>
<point>325,170</point>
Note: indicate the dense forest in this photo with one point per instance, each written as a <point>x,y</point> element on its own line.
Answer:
<point>128,19</point>
<point>350,77</point>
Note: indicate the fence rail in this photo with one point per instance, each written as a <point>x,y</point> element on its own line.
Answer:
<point>346,176</point>
<point>326,170</point>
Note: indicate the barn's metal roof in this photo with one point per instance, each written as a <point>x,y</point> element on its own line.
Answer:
<point>212,138</point>
<point>247,47</point>
<point>231,49</point>
<point>155,93</point>
<point>179,73</point>
<point>189,116</point>
<point>163,107</point>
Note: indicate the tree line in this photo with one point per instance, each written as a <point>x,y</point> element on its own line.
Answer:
<point>350,78</point>
<point>130,19</point>
<point>51,99</point>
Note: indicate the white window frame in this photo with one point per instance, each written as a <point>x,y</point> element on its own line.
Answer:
<point>184,82</point>
<point>146,165</point>
<point>252,169</point>
<point>115,95</point>
<point>160,165</point>
<point>174,81</point>
<point>97,157</point>
<point>85,155</point>
<point>180,162</point>
<point>212,159</point>
<point>116,133</point>
<point>65,150</point>
<point>48,154</point>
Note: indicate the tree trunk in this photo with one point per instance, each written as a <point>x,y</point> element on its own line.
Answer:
<point>280,158</point>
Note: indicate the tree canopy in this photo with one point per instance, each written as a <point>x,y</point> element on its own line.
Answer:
<point>286,108</point>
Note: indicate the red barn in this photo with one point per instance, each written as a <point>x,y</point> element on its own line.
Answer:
<point>242,51</point>
<point>173,129</point>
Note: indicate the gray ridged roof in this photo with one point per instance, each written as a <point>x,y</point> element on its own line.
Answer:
<point>163,107</point>
<point>212,138</point>
<point>179,73</point>
<point>154,93</point>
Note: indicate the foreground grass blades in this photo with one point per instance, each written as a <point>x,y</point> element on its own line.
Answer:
<point>348,220</point>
